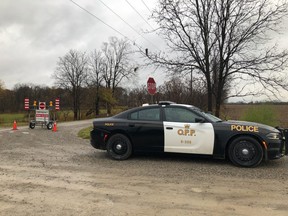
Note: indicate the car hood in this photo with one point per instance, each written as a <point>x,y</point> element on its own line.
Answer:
<point>246,123</point>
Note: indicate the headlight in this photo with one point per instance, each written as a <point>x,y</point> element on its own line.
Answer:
<point>273,136</point>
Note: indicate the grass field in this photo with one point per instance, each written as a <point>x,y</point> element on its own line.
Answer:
<point>274,115</point>
<point>278,113</point>
<point>7,120</point>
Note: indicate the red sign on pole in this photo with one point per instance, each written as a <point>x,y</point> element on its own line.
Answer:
<point>42,105</point>
<point>151,86</point>
<point>26,103</point>
<point>57,104</point>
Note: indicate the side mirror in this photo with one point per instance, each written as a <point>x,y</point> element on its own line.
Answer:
<point>199,120</point>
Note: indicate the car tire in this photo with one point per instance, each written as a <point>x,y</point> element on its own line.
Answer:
<point>245,151</point>
<point>49,126</point>
<point>119,147</point>
<point>32,125</point>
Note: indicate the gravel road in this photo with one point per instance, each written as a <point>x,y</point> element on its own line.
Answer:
<point>56,173</point>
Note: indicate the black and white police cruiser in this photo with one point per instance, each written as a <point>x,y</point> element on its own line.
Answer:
<point>180,128</point>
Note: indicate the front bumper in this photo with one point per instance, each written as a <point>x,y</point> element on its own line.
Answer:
<point>275,150</point>
<point>279,148</point>
<point>284,146</point>
<point>286,141</point>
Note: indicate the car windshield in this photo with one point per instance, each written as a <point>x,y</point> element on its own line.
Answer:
<point>209,116</point>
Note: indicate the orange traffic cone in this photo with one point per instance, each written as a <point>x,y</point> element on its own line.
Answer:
<point>15,125</point>
<point>54,127</point>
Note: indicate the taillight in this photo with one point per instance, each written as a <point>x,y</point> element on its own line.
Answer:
<point>105,137</point>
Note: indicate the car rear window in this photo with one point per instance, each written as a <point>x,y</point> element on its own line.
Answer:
<point>146,114</point>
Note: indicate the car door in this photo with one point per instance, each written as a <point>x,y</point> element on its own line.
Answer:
<point>146,130</point>
<point>182,134</point>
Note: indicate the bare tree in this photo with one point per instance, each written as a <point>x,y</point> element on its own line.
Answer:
<point>2,96</point>
<point>118,66</point>
<point>225,41</point>
<point>96,67</point>
<point>174,90</point>
<point>138,96</point>
<point>2,86</point>
<point>71,74</point>
<point>7,101</point>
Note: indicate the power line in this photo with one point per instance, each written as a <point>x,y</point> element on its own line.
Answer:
<point>127,23</point>
<point>118,16</point>
<point>138,13</point>
<point>93,15</point>
<point>100,20</point>
<point>146,6</point>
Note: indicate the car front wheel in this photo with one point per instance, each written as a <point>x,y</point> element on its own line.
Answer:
<point>119,147</point>
<point>246,152</point>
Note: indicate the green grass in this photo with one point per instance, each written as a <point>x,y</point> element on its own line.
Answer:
<point>264,114</point>
<point>7,120</point>
<point>85,133</point>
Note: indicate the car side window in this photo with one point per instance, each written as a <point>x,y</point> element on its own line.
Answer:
<point>178,114</point>
<point>146,114</point>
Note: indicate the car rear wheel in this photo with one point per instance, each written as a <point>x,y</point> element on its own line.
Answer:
<point>245,151</point>
<point>49,126</point>
<point>119,147</point>
<point>32,125</point>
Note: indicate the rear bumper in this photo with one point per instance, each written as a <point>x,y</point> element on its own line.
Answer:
<point>97,140</point>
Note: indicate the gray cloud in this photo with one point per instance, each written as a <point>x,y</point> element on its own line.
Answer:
<point>34,34</point>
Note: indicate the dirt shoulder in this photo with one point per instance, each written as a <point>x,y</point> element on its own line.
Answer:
<point>56,173</point>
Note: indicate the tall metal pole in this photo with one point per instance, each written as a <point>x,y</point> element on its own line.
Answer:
<point>191,83</point>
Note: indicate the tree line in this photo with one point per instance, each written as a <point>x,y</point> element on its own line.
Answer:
<point>216,49</point>
<point>88,82</point>
<point>175,89</point>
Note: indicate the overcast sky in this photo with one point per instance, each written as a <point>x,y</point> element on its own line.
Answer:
<point>35,33</point>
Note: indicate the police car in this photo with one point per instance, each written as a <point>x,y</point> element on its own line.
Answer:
<point>180,128</point>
